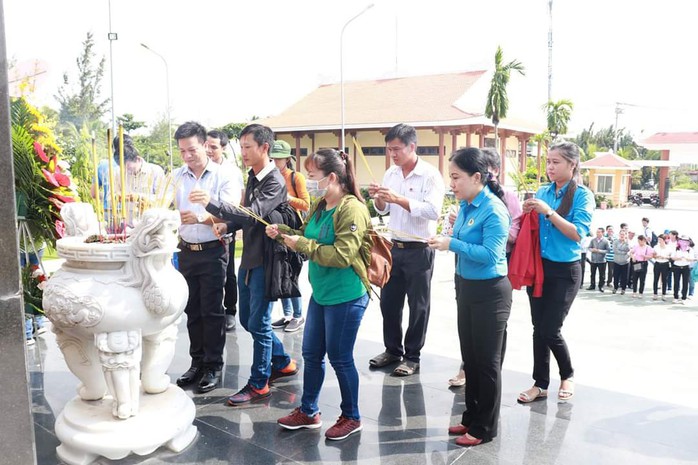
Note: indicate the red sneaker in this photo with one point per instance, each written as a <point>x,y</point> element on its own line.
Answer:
<point>299,420</point>
<point>343,428</point>
<point>248,394</point>
<point>289,370</point>
<point>466,441</point>
<point>458,429</point>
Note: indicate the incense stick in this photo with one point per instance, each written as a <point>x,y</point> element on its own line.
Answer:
<point>404,234</point>
<point>252,214</point>
<point>363,157</point>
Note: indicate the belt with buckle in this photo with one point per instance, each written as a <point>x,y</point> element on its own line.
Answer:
<point>409,245</point>
<point>198,247</point>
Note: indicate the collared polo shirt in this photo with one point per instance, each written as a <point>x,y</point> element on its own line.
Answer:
<point>480,237</point>
<point>554,245</point>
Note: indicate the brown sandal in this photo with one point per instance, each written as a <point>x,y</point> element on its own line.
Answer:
<point>406,368</point>
<point>383,359</point>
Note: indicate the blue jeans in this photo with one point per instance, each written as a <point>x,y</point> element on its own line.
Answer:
<point>255,317</point>
<point>296,303</point>
<point>34,258</point>
<point>332,330</point>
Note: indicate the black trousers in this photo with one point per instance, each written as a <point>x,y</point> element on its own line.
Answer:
<point>661,270</point>
<point>639,276</point>
<point>601,267</point>
<point>410,277</point>
<point>682,274</point>
<point>611,271</point>
<point>204,272</point>
<point>483,311</point>
<point>230,301</point>
<point>583,262</point>
<point>620,278</point>
<point>548,313</point>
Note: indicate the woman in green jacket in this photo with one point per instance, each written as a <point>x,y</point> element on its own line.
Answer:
<point>334,238</point>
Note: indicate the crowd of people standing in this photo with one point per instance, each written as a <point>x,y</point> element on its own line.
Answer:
<point>322,217</point>
<point>670,257</point>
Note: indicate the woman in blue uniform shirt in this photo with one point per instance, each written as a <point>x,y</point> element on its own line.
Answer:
<point>565,209</point>
<point>483,291</point>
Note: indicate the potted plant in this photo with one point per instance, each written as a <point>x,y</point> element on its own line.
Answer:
<point>601,201</point>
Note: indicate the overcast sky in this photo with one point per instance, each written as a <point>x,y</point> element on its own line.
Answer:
<point>230,60</point>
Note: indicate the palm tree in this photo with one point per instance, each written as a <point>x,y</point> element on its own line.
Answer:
<point>541,140</point>
<point>558,116</point>
<point>497,101</point>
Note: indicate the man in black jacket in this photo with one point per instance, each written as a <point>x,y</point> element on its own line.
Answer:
<point>264,194</point>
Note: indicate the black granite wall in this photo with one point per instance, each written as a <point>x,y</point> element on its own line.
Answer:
<point>16,426</point>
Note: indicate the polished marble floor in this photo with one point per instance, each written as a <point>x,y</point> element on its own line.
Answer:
<point>635,404</point>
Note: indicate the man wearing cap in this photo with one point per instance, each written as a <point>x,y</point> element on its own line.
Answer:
<point>299,200</point>
<point>413,193</point>
<point>216,143</point>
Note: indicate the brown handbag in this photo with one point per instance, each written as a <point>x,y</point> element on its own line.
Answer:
<point>381,259</point>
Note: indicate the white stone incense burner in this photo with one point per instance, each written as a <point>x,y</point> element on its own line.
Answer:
<point>115,308</point>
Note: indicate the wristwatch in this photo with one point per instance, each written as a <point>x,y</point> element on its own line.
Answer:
<point>201,217</point>
<point>550,213</point>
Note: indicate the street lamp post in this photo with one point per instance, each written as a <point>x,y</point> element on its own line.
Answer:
<point>112,36</point>
<point>341,66</point>
<point>167,84</point>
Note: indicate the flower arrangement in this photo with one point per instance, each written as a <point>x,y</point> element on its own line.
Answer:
<point>42,181</point>
<point>33,283</point>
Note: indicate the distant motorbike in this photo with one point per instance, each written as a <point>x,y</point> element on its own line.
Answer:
<point>639,200</point>
<point>636,199</point>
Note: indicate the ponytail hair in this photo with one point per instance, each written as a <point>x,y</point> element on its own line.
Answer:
<point>337,162</point>
<point>472,160</point>
<point>570,152</point>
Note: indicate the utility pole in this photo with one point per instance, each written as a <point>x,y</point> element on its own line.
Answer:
<point>619,110</point>
<point>550,51</point>
<point>112,36</point>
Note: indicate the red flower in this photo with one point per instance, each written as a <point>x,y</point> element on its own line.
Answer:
<point>40,151</point>
<point>62,179</point>
<point>60,228</point>
<point>63,198</point>
<point>50,177</point>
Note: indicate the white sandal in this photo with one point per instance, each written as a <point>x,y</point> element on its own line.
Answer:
<point>458,380</point>
<point>524,398</point>
<point>563,395</point>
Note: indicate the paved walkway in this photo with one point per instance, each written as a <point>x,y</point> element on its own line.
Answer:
<point>635,403</point>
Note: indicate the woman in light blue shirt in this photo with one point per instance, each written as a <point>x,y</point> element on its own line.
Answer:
<point>483,291</point>
<point>565,209</point>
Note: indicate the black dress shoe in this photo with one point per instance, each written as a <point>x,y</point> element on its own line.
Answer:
<point>229,322</point>
<point>209,381</point>
<point>191,376</point>
<point>591,288</point>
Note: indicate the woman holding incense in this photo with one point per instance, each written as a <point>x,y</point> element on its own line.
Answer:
<point>483,291</point>
<point>333,239</point>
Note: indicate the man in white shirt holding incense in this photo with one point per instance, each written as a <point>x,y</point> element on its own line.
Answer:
<point>412,193</point>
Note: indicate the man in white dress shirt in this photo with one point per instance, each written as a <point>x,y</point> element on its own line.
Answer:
<point>203,257</point>
<point>412,193</point>
<point>215,148</point>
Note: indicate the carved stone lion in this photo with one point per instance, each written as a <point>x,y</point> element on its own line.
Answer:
<point>115,314</point>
